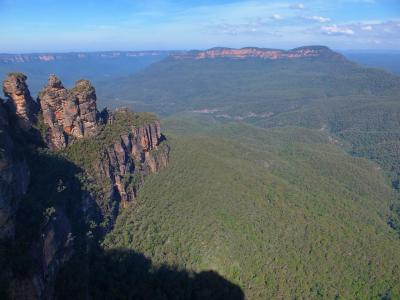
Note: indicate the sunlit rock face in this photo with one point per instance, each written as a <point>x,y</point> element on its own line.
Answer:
<point>68,114</point>
<point>133,154</point>
<point>19,98</point>
<point>252,52</point>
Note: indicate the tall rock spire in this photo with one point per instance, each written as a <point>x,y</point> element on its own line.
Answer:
<point>19,99</point>
<point>68,114</point>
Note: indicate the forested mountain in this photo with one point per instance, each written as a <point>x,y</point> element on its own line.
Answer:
<point>237,87</point>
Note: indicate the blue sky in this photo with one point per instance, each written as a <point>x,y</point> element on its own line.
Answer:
<point>48,25</point>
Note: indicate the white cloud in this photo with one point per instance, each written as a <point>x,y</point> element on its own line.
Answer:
<point>367,28</point>
<point>336,30</point>
<point>254,27</point>
<point>318,19</point>
<point>276,17</point>
<point>388,29</point>
<point>297,6</point>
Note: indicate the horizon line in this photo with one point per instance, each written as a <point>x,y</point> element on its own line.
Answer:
<point>194,49</point>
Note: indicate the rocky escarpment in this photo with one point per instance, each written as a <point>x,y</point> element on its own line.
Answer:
<point>127,150</point>
<point>252,52</point>
<point>20,101</point>
<point>132,157</point>
<point>68,114</point>
<point>56,205</point>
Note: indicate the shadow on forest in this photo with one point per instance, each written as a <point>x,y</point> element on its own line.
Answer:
<point>126,274</point>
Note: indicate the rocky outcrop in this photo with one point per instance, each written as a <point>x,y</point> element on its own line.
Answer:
<point>52,100</point>
<point>273,54</point>
<point>68,114</point>
<point>20,101</point>
<point>134,154</point>
<point>127,162</point>
<point>84,95</point>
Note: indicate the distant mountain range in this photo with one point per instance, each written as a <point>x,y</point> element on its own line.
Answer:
<point>103,65</point>
<point>94,66</point>
<point>218,52</point>
<point>47,57</point>
<point>254,52</point>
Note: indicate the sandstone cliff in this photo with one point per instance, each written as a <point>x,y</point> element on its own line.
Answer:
<point>68,114</point>
<point>130,159</point>
<point>20,101</point>
<point>252,52</point>
<point>128,149</point>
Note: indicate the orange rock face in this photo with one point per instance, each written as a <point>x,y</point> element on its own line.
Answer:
<point>273,54</point>
<point>69,114</point>
<point>132,155</point>
<point>19,99</point>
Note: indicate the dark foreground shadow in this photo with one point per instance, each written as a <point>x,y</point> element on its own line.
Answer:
<point>126,274</point>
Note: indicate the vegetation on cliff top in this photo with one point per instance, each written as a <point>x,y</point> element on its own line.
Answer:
<point>88,150</point>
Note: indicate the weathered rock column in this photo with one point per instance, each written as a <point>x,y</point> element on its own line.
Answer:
<point>20,101</point>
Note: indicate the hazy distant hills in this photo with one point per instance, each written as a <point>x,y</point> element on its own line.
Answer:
<point>43,57</point>
<point>72,66</point>
<point>389,60</point>
<point>248,88</point>
<point>105,65</point>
